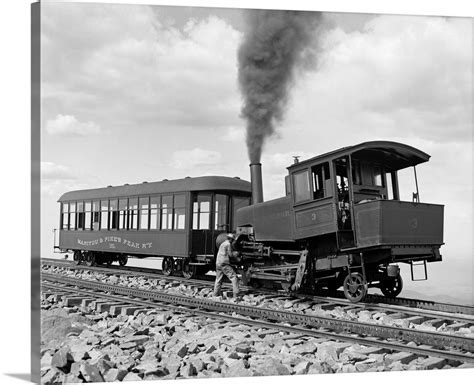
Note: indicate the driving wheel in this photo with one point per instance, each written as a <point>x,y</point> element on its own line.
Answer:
<point>391,286</point>
<point>355,287</point>
<point>167,265</point>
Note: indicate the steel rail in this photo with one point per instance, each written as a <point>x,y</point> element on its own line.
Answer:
<point>372,305</point>
<point>438,340</point>
<point>304,331</point>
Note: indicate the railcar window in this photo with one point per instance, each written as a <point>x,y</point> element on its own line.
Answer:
<point>95,215</point>
<point>133,213</point>
<point>65,216</point>
<point>154,210</point>
<point>123,205</point>
<point>220,212</point>
<point>301,186</point>
<point>179,212</point>
<point>166,212</point>
<point>104,215</point>
<point>114,214</point>
<point>72,215</point>
<point>87,215</point>
<point>202,213</point>
<point>144,203</point>
<point>80,216</point>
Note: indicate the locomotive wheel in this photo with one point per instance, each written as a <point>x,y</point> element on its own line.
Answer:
<point>189,271</point>
<point>167,266</point>
<point>109,260</point>
<point>355,287</point>
<point>77,257</point>
<point>123,260</point>
<point>391,287</point>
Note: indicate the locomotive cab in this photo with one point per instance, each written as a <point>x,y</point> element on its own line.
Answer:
<point>347,204</point>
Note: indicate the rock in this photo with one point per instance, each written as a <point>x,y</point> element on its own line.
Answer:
<point>353,356</point>
<point>401,357</point>
<point>198,364</point>
<point>181,350</point>
<point>187,370</point>
<point>46,361</point>
<point>50,377</point>
<point>127,345</point>
<point>237,369</point>
<point>302,367</point>
<point>193,348</point>
<point>114,375</point>
<point>171,363</point>
<point>306,348</point>
<point>136,339</point>
<point>211,348</point>
<point>132,377</point>
<point>62,357</point>
<point>272,367</point>
<point>148,366</point>
<point>71,378</point>
<point>91,373</point>
<point>433,363</point>
<point>327,353</point>
<point>243,348</point>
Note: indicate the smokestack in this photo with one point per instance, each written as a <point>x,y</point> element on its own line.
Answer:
<point>257,184</point>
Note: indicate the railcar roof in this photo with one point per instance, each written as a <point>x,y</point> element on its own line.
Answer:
<point>392,154</point>
<point>203,183</point>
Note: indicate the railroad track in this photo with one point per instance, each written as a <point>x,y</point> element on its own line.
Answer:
<point>373,302</point>
<point>444,346</point>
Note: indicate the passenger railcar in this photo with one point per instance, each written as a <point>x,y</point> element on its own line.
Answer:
<point>176,220</point>
<point>341,222</point>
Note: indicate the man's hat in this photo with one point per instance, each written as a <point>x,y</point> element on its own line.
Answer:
<point>231,236</point>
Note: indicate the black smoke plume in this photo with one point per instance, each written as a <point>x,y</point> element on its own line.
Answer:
<point>274,44</point>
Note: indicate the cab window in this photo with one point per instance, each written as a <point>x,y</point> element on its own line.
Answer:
<point>301,186</point>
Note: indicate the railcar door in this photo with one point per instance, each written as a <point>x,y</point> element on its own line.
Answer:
<point>345,233</point>
<point>201,239</point>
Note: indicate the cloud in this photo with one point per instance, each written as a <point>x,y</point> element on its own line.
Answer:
<point>197,157</point>
<point>140,70</point>
<point>399,76</point>
<point>234,134</point>
<point>67,125</point>
<point>53,171</point>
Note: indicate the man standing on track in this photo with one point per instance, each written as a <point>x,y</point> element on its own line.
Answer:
<point>223,267</point>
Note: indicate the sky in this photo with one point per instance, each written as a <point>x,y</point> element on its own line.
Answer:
<point>133,93</point>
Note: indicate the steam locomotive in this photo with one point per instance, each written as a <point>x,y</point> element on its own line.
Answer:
<point>340,223</point>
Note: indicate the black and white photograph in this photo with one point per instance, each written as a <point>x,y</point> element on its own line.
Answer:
<point>248,192</point>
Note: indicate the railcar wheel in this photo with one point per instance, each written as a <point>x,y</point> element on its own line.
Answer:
<point>355,287</point>
<point>89,258</point>
<point>189,271</point>
<point>77,257</point>
<point>109,260</point>
<point>167,266</point>
<point>123,260</point>
<point>392,286</point>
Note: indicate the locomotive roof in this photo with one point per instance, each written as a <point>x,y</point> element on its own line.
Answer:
<point>392,154</point>
<point>202,183</point>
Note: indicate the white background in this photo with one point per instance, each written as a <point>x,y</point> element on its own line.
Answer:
<point>15,184</point>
